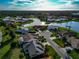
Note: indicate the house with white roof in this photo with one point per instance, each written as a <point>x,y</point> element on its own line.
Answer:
<point>6,18</point>
<point>56,19</point>
<point>20,18</point>
<point>26,19</point>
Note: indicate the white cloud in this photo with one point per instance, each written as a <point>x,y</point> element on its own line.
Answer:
<point>41,5</point>
<point>15,2</point>
<point>67,0</point>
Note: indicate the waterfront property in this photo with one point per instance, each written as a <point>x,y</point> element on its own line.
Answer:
<point>72,24</point>
<point>55,18</point>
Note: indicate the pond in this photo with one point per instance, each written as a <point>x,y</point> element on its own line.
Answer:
<point>74,25</point>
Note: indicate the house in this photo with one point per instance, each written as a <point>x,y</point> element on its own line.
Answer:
<point>73,41</point>
<point>6,19</point>
<point>23,30</point>
<point>9,20</point>
<point>51,27</point>
<point>68,48</point>
<point>18,18</point>
<point>31,46</point>
<point>26,19</point>
<point>61,19</point>
<point>50,20</point>
<point>56,19</point>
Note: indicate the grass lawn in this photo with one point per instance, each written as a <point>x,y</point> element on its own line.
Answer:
<point>52,52</point>
<point>12,54</point>
<point>15,53</point>
<point>4,50</point>
<point>59,42</point>
<point>6,37</point>
<point>76,33</point>
<point>25,22</point>
<point>74,54</point>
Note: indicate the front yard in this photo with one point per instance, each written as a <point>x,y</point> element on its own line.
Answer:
<point>51,52</point>
<point>74,54</point>
<point>59,42</point>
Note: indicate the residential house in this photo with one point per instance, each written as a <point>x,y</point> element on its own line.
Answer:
<point>26,19</point>
<point>51,27</point>
<point>23,30</point>
<point>73,41</point>
<point>31,46</point>
<point>6,19</point>
<point>20,18</point>
<point>57,19</point>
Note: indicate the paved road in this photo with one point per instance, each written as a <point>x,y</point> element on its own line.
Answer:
<point>57,48</point>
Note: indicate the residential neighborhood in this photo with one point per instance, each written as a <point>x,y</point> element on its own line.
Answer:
<point>39,29</point>
<point>23,37</point>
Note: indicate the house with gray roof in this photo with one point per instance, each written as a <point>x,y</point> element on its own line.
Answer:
<point>73,41</point>
<point>31,46</point>
<point>22,30</point>
<point>52,27</point>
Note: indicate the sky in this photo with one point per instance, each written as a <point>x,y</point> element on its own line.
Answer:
<point>39,5</point>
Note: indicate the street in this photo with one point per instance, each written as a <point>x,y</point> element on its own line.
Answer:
<point>56,47</point>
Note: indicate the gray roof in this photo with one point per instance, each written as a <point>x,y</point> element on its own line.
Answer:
<point>52,27</point>
<point>33,47</point>
<point>22,30</point>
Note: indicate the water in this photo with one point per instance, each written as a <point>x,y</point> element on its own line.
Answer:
<point>74,25</point>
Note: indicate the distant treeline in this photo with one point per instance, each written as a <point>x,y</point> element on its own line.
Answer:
<point>38,13</point>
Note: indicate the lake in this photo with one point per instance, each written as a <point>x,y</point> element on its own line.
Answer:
<point>74,25</point>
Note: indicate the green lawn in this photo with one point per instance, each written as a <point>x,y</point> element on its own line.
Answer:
<point>25,22</point>
<point>15,53</point>
<point>52,52</point>
<point>4,50</point>
<point>59,42</point>
<point>74,54</point>
<point>5,38</point>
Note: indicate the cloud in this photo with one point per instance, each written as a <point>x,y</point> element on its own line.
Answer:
<point>67,0</point>
<point>41,5</point>
<point>20,2</point>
